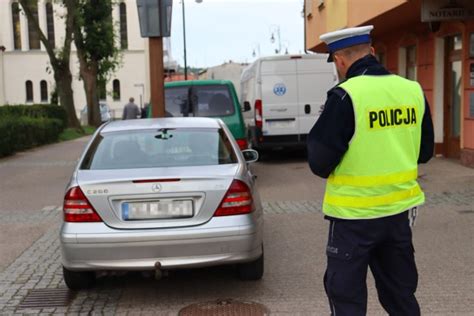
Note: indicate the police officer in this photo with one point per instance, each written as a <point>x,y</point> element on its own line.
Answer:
<point>373,131</point>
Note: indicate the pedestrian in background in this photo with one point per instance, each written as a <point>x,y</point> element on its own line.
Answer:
<point>373,131</point>
<point>131,111</point>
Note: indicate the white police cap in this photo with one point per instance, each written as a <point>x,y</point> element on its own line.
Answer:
<point>346,37</point>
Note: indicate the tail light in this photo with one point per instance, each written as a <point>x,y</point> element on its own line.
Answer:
<point>77,208</point>
<point>243,144</point>
<point>258,113</point>
<point>237,200</point>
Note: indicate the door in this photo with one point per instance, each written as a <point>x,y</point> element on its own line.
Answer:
<point>315,78</point>
<point>453,89</point>
<point>279,97</point>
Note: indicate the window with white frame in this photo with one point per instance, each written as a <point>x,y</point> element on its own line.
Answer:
<point>116,90</point>
<point>44,91</point>
<point>29,91</point>
<point>16,26</point>
<point>123,26</point>
<point>50,24</point>
<point>33,35</point>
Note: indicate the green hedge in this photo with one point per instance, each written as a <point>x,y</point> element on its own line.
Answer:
<point>35,110</point>
<point>23,127</point>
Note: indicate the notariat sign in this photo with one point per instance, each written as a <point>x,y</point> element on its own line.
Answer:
<point>447,10</point>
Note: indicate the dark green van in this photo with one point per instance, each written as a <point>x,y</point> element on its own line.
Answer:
<point>207,98</point>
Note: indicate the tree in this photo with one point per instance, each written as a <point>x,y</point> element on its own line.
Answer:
<point>96,48</point>
<point>59,58</point>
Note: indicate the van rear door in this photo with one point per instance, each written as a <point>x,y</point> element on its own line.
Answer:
<point>279,97</point>
<point>315,77</point>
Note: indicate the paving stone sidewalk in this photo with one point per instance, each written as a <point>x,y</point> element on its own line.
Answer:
<point>39,266</point>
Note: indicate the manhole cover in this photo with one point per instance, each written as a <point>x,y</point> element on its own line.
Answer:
<point>47,298</point>
<point>224,308</point>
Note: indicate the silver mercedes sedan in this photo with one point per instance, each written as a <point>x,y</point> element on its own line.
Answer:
<point>161,194</point>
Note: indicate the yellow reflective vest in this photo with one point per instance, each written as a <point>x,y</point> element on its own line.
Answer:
<point>377,175</point>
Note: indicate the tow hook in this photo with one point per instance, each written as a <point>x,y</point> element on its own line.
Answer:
<point>158,272</point>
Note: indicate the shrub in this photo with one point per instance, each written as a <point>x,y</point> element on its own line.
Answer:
<point>23,132</point>
<point>36,111</point>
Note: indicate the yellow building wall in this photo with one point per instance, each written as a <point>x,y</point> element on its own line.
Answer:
<point>364,10</point>
<point>336,14</point>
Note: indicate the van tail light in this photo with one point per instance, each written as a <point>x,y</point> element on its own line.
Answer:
<point>77,208</point>
<point>258,113</point>
<point>243,144</point>
<point>237,200</point>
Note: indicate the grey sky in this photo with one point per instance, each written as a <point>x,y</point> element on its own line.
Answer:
<point>222,30</point>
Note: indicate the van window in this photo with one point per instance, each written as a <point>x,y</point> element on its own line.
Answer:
<point>205,101</point>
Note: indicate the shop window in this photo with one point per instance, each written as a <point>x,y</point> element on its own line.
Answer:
<point>16,26</point>
<point>123,26</point>
<point>410,70</point>
<point>44,91</point>
<point>50,23</point>
<point>29,91</point>
<point>116,90</point>
<point>33,35</point>
<point>458,42</point>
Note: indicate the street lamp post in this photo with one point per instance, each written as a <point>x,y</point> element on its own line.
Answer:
<point>286,44</point>
<point>184,39</point>
<point>256,49</point>
<point>276,29</point>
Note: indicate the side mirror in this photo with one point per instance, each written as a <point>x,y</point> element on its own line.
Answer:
<point>247,106</point>
<point>250,155</point>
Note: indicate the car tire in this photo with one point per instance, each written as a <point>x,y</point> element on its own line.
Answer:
<point>251,271</point>
<point>78,280</point>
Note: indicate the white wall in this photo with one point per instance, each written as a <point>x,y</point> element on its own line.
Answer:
<point>18,66</point>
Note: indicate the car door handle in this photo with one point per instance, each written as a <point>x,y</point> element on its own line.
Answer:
<point>307,109</point>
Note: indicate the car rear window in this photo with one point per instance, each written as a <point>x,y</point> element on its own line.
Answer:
<point>162,148</point>
<point>204,101</point>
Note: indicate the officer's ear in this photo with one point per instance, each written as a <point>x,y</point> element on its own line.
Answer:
<point>339,60</point>
<point>372,50</point>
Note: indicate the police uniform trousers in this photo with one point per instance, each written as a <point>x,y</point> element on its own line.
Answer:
<point>384,245</point>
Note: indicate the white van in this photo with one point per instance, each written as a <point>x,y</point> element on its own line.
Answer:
<point>282,98</point>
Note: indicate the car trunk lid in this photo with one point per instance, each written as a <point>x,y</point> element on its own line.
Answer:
<point>158,197</point>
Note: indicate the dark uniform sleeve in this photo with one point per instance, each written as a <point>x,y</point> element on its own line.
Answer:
<point>427,136</point>
<point>329,138</point>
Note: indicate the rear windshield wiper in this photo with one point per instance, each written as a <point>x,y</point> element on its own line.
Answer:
<point>163,133</point>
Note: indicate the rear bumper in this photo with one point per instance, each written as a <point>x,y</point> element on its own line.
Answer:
<point>223,240</point>
<point>261,141</point>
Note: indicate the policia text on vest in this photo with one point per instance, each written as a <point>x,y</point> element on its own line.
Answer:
<point>392,117</point>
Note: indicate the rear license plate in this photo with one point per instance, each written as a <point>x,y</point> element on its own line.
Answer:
<point>161,209</point>
<point>282,124</point>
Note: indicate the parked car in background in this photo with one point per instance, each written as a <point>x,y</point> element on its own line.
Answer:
<point>105,113</point>
<point>283,96</point>
<point>163,193</point>
<point>207,98</point>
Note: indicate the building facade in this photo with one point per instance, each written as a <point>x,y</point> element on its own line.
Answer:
<point>25,74</point>
<point>227,71</point>
<point>431,41</point>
